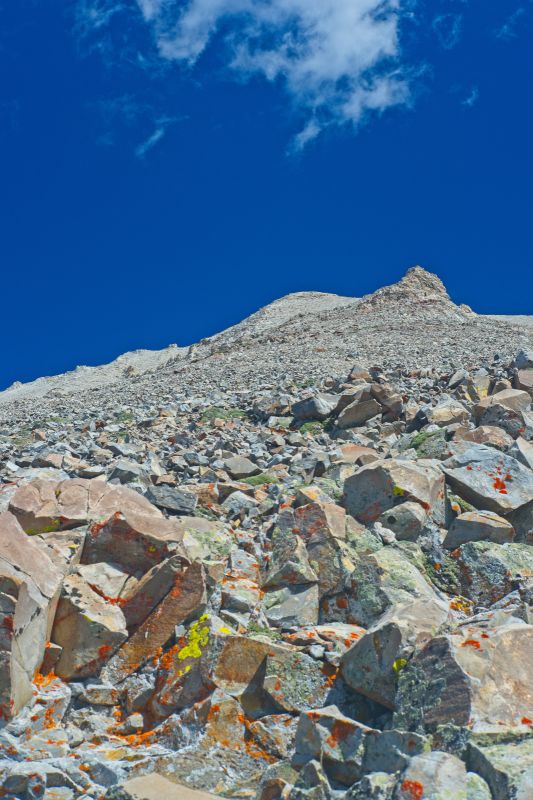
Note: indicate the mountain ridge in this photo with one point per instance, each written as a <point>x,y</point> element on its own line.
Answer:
<point>308,314</point>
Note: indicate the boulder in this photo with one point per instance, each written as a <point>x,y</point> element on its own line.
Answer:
<point>319,407</point>
<point>524,380</point>
<point>433,776</point>
<point>478,677</point>
<point>407,521</point>
<point>88,629</point>
<point>380,580</point>
<point>489,435</point>
<point>29,589</point>
<point>507,767</point>
<point>489,571</point>
<point>186,596</point>
<point>134,541</point>
<point>295,682</point>
<point>336,741</point>
<point>358,412</point>
<point>446,412</point>
<point>172,499</point>
<point>387,483</point>
<point>42,506</point>
<point>490,480</point>
<point>511,399</point>
<point>524,359</point>
<point>475,526</point>
<point>372,665</point>
<point>292,605</point>
<point>138,602</point>
<point>523,452</point>
<point>155,787</point>
<point>287,562</point>
<point>240,467</point>
<point>374,786</point>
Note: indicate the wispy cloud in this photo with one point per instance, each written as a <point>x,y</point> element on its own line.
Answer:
<point>337,60</point>
<point>471,98</point>
<point>128,118</point>
<point>448,28</point>
<point>509,29</point>
<point>162,126</point>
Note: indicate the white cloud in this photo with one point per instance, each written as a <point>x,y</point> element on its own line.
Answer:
<point>152,140</point>
<point>448,28</point>
<point>93,15</point>
<point>472,97</point>
<point>338,60</point>
<point>508,29</point>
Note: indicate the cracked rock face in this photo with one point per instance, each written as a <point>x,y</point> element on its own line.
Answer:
<point>291,562</point>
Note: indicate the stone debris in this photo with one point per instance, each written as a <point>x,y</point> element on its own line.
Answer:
<point>269,570</point>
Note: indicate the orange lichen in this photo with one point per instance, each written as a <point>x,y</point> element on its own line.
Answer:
<point>340,730</point>
<point>413,789</point>
<point>471,643</point>
<point>41,681</point>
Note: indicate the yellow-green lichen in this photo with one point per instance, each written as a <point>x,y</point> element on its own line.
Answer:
<point>399,664</point>
<point>197,638</point>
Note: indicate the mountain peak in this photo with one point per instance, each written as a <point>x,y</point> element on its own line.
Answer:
<point>419,279</point>
<point>419,292</point>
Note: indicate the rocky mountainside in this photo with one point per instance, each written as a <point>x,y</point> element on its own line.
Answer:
<point>293,561</point>
<point>307,334</point>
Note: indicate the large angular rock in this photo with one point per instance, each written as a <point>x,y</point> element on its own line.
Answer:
<point>186,596</point>
<point>287,562</point>
<point>172,499</point>
<point>88,629</point>
<point>372,665</point>
<point>523,452</point>
<point>380,580</point>
<point>240,467</point>
<point>236,660</point>
<point>507,767</point>
<point>478,676</point>
<point>336,741</point>
<point>318,407</point>
<point>524,380</point>
<point>489,571</point>
<point>374,786</point>
<point>490,480</point>
<point>29,588</point>
<point>42,506</point>
<point>434,776</point>
<point>135,541</point>
<point>512,399</point>
<point>138,602</point>
<point>294,682</point>
<point>358,412</point>
<point>475,526</point>
<point>380,486</point>
<point>406,521</point>
<point>320,521</point>
<point>390,751</point>
<point>292,606</point>
<point>322,526</point>
<point>155,787</point>
<point>524,359</point>
<point>489,435</point>
<point>447,412</point>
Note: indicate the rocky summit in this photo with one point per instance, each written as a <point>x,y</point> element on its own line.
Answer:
<point>293,561</point>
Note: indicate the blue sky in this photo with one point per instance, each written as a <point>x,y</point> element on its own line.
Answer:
<point>168,166</point>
